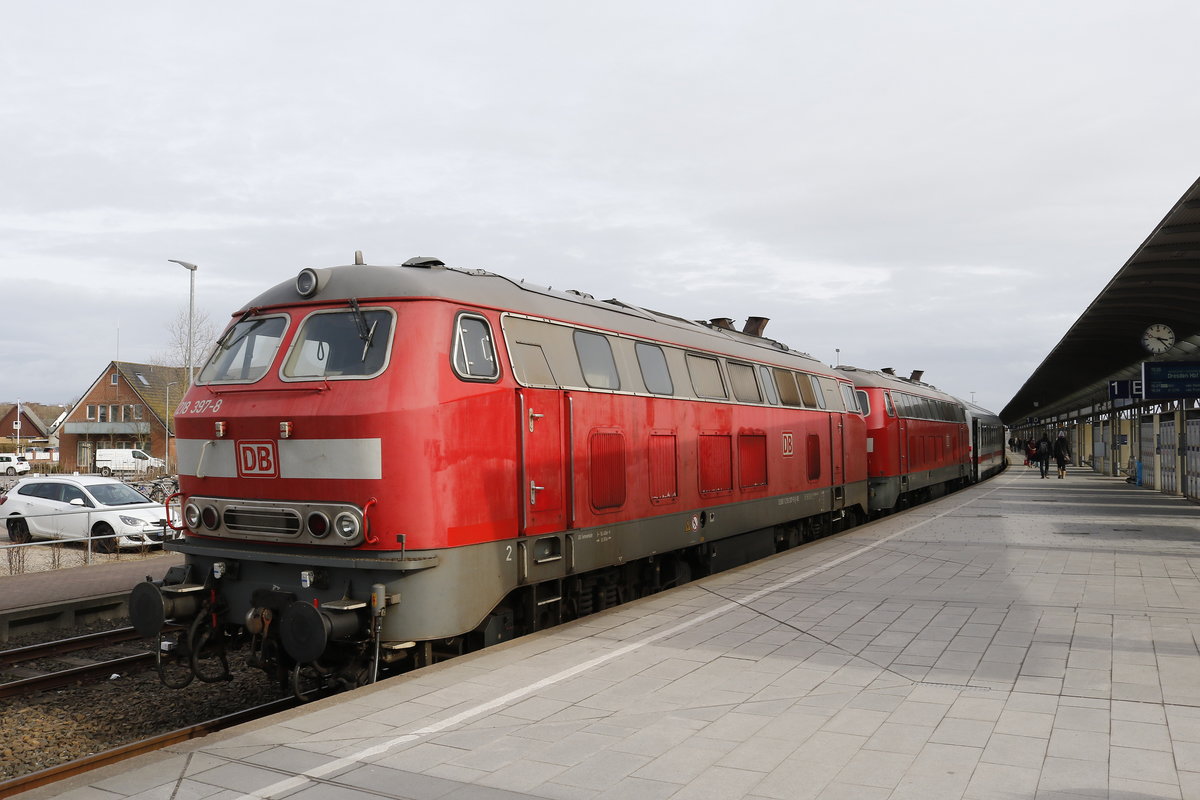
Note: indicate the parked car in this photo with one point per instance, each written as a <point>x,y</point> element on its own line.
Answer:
<point>77,507</point>
<point>13,464</point>
<point>109,461</point>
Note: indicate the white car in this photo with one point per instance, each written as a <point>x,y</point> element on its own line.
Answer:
<point>13,464</point>
<point>81,506</point>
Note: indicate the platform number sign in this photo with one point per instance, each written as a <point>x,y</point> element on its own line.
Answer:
<point>789,444</point>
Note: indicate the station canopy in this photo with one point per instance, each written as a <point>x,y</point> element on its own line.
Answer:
<point>1159,284</point>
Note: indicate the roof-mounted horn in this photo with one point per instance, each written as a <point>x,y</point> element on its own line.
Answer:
<point>724,323</point>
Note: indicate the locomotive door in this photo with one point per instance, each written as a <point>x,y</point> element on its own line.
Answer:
<point>837,455</point>
<point>542,485</point>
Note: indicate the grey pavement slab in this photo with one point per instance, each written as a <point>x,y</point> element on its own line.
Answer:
<point>1024,638</point>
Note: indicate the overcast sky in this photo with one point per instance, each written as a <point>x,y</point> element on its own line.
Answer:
<point>924,185</point>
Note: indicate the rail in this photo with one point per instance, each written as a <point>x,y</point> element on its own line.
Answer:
<point>45,777</point>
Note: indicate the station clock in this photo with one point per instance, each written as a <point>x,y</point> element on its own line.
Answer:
<point>1158,338</point>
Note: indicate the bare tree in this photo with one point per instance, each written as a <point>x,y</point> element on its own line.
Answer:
<point>176,340</point>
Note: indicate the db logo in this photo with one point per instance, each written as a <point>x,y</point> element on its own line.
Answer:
<point>257,460</point>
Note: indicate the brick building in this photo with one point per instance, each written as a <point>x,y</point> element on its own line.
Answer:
<point>126,407</point>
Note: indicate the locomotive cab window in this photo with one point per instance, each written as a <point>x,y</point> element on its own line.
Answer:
<point>474,354</point>
<point>864,402</point>
<point>340,344</point>
<point>245,352</point>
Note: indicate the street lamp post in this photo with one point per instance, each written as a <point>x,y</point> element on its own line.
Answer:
<point>191,268</point>
<point>167,425</point>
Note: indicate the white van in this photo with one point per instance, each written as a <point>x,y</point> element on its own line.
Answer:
<point>125,460</point>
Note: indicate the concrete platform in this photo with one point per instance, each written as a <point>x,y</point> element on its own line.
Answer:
<point>1025,638</point>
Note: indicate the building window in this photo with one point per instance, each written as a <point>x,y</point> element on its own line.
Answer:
<point>91,412</point>
<point>114,378</point>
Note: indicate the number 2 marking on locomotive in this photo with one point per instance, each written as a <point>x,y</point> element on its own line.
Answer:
<point>508,552</point>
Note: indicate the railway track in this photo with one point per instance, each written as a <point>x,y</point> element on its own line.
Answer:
<point>79,766</point>
<point>27,663</point>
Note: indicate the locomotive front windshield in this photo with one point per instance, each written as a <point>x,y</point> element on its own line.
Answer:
<point>340,344</point>
<point>245,352</point>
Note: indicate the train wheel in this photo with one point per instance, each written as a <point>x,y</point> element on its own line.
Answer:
<point>18,531</point>
<point>107,544</point>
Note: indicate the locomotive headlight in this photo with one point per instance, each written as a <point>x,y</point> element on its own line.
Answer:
<point>347,525</point>
<point>191,515</point>
<point>307,282</point>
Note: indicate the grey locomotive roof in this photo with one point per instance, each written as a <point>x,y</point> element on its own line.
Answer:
<point>871,377</point>
<point>475,287</point>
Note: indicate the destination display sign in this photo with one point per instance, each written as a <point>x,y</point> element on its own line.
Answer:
<point>1170,380</point>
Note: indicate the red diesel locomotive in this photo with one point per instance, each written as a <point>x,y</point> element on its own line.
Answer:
<point>922,442</point>
<point>381,464</point>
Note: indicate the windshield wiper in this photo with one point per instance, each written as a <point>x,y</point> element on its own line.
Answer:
<point>360,322</point>
<point>226,343</point>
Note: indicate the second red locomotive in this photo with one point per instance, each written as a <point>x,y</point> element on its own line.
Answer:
<point>378,464</point>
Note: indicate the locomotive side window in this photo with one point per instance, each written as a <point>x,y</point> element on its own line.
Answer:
<point>818,395</point>
<point>706,377</point>
<point>864,402</point>
<point>340,344</point>
<point>828,390</point>
<point>245,352</point>
<point>804,381</point>
<point>529,360</point>
<point>655,372</point>
<point>474,354</point>
<point>785,382</point>
<point>596,359</point>
<point>745,388</point>
<point>768,384</point>
<point>888,404</point>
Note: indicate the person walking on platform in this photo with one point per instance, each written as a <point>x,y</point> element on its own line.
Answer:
<point>1031,453</point>
<point>1062,455</point>
<point>1043,455</point>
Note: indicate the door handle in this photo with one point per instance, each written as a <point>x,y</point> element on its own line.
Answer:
<point>533,417</point>
<point>533,490</point>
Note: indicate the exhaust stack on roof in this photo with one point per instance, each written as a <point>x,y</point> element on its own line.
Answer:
<point>755,325</point>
